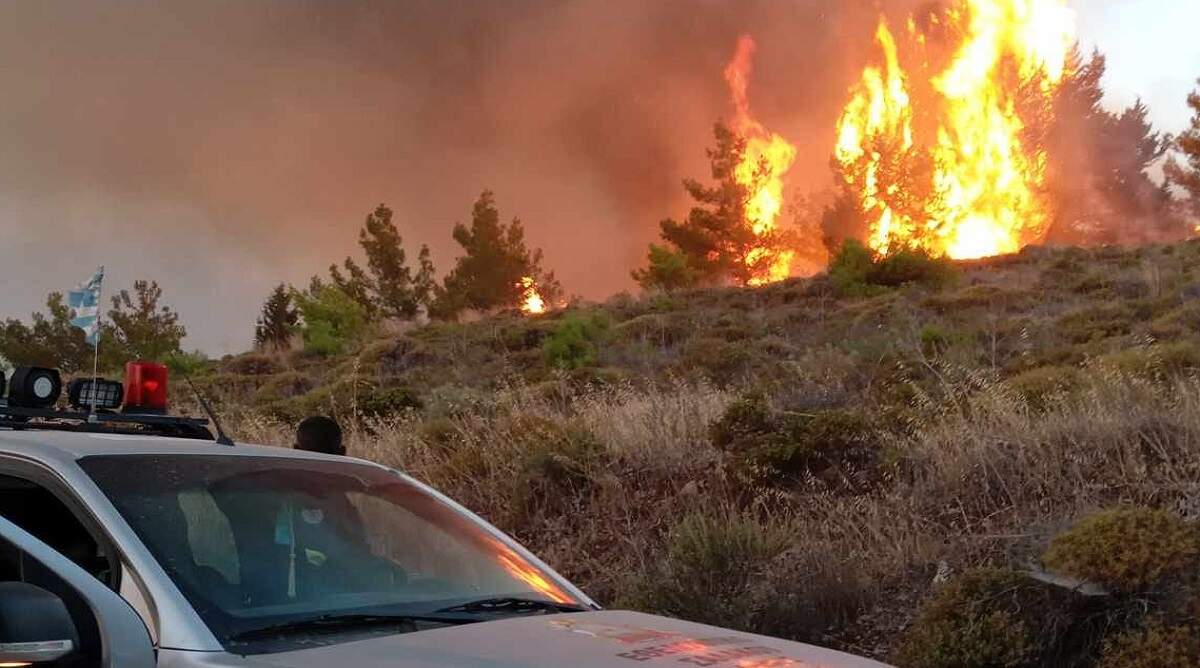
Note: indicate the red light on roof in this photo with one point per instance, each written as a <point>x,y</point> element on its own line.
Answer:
<point>145,387</point>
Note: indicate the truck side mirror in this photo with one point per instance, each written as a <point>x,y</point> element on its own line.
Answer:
<point>35,626</point>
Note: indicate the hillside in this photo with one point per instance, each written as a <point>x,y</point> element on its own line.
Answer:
<point>803,459</point>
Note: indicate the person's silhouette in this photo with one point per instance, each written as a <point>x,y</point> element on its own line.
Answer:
<point>320,434</point>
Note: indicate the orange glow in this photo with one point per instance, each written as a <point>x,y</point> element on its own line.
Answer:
<point>531,300</point>
<point>967,183</point>
<point>520,569</point>
<point>765,161</point>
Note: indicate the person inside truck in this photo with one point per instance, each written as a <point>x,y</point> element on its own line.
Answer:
<point>319,433</point>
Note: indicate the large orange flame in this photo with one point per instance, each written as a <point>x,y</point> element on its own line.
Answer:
<point>967,184</point>
<point>765,161</point>
<point>531,300</point>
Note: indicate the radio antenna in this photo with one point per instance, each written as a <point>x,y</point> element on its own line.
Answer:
<point>222,438</point>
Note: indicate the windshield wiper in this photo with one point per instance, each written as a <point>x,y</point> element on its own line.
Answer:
<point>336,622</point>
<point>512,605</point>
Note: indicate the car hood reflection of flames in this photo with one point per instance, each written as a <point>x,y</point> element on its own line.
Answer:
<point>932,141</point>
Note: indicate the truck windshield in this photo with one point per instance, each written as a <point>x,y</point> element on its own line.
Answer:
<point>254,542</point>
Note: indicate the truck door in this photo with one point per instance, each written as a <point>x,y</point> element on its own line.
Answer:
<point>48,603</point>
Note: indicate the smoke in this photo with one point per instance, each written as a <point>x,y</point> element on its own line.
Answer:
<point>222,147</point>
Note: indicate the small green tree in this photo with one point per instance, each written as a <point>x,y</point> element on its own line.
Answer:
<point>277,321</point>
<point>667,270</point>
<point>331,320</point>
<point>488,275</point>
<point>139,327</point>
<point>575,342</point>
<point>1186,176</point>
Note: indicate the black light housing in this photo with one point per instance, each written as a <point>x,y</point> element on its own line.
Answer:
<point>34,387</point>
<point>107,393</point>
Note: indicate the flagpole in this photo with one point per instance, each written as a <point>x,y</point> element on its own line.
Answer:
<point>96,345</point>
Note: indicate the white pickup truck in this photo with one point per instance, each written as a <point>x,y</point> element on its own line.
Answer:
<point>132,549</point>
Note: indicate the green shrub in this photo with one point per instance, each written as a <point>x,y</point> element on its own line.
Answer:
<point>555,465</point>
<point>837,445</point>
<point>850,268</point>
<point>385,401</point>
<point>856,271</point>
<point>332,320</point>
<point>913,266</point>
<point>188,364</point>
<point>1128,550</point>
<point>987,618</point>
<point>1038,386</point>
<point>717,359</point>
<point>251,364</point>
<point>937,340</point>
<point>1153,646</point>
<point>283,386</point>
<point>1160,358</point>
<point>574,343</point>
<point>712,569</point>
<point>1095,323</point>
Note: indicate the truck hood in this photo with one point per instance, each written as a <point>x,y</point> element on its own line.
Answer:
<point>605,639</point>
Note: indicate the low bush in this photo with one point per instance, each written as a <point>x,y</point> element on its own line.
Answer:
<point>387,401</point>
<point>1127,550</point>
<point>1040,386</point>
<point>285,385</point>
<point>1153,646</point>
<point>575,341</point>
<point>713,570</point>
<point>988,618</point>
<point>251,364</point>
<point>716,359</point>
<point>837,446</point>
<point>856,271</point>
<point>556,461</point>
<point>1095,323</point>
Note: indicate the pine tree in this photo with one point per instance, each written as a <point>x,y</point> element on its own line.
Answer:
<point>488,275</point>
<point>713,242</point>
<point>387,288</point>
<point>1187,176</point>
<point>1098,168</point>
<point>357,285</point>
<point>278,320</point>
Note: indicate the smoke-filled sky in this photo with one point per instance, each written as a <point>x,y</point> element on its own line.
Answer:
<point>221,147</point>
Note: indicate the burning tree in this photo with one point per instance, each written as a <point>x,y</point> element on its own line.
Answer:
<point>732,235</point>
<point>1187,176</point>
<point>496,270</point>
<point>932,146</point>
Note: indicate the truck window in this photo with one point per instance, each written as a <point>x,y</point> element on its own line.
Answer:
<point>41,513</point>
<point>254,541</point>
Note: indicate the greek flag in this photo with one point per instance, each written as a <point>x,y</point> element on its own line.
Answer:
<point>84,301</point>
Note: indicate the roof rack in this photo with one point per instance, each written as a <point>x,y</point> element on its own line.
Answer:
<point>104,422</point>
